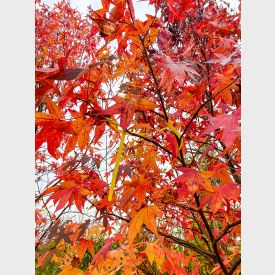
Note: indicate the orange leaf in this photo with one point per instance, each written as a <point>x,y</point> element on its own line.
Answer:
<point>135,226</point>
<point>53,108</point>
<point>42,119</point>
<point>68,184</point>
<point>70,270</point>
<point>155,253</point>
<point>82,247</point>
<point>70,144</point>
<point>149,217</point>
<point>145,216</point>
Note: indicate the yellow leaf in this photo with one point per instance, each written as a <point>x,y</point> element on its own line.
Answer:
<point>153,34</point>
<point>159,258</point>
<point>113,125</point>
<point>118,157</point>
<point>173,129</point>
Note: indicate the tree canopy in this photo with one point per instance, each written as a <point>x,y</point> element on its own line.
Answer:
<point>137,146</point>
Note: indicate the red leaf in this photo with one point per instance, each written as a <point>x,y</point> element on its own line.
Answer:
<point>82,247</point>
<point>174,70</point>
<point>230,124</point>
<point>64,199</point>
<point>215,200</point>
<point>163,38</point>
<point>103,251</point>
<point>41,74</point>
<point>99,131</point>
<point>131,7</point>
<point>173,144</point>
<point>54,139</point>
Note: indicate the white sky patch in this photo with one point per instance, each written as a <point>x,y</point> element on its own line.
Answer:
<point>141,7</point>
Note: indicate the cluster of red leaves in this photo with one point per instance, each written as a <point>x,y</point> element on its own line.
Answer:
<point>168,200</point>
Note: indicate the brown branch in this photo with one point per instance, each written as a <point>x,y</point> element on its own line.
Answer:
<point>155,79</point>
<point>155,143</point>
<point>150,66</point>
<point>212,239</point>
<point>208,95</point>
<point>201,231</point>
<point>188,245</point>
<point>50,225</point>
<point>201,106</point>
<point>225,231</point>
<point>190,208</point>
<point>234,266</point>
<point>171,237</point>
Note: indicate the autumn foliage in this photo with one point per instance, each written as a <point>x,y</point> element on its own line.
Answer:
<point>138,139</point>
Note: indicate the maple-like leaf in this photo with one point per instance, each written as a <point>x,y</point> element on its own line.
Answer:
<point>216,199</point>
<point>54,126</point>
<point>74,189</point>
<point>103,251</point>
<point>174,70</point>
<point>171,139</point>
<point>154,86</point>
<point>82,247</point>
<point>229,123</point>
<point>223,60</point>
<point>131,8</point>
<point>46,258</point>
<point>117,11</point>
<point>163,38</point>
<point>155,253</point>
<point>190,179</point>
<point>126,107</point>
<point>147,216</point>
<point>82,127</point>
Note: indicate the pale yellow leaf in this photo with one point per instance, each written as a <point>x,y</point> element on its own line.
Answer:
<point>118,157</point>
